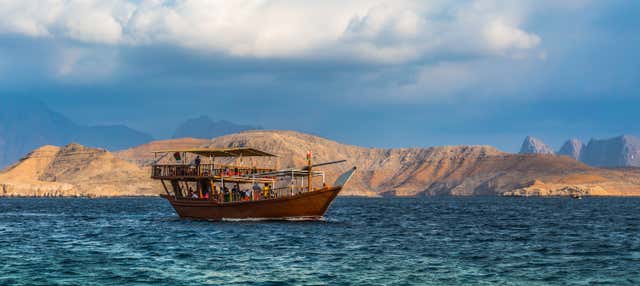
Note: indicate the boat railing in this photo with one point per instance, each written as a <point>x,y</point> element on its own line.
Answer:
<point>204,170</point>
<point>233,197</point>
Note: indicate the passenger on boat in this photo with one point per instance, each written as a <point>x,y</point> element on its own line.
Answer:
<point>205,192</point>
<point>197,163</point>
<point>247,195</point>
<point>226,194</point>
<point>266,191</point>
<point>192,194</point>
<point>256,191</point>
<point>236,192</point>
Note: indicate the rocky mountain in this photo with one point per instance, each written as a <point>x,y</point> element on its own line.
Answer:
<point>26,124</point>
<point>75,170</point>
<point>621,151</point>
<point>572,148</point>
<point>447,170</point>
<point>532,145</point>
<point>142,155</point>
<point>205,127</point>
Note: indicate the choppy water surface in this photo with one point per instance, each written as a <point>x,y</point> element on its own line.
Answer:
<point>361,241</point>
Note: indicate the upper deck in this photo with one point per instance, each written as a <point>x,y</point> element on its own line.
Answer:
<point>204,171</point>
<point>200,163</point>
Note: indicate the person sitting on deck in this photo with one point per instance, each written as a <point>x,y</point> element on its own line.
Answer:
<point>192,194</point>
<point>256,191</point>
<point>266,191</point>
<point>247,195</point>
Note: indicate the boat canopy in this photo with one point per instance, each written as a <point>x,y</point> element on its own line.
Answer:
<point>222,152</point>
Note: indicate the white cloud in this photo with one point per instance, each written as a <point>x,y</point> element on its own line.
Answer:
<point>383,31</point>
<point>503,37</point>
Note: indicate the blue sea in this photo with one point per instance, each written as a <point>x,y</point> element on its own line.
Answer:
<point>361,241</point>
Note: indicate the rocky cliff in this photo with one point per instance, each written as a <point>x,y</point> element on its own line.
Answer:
<point>572,148</point>
<point>532,145</point>
<point>74,170</point>
<point>621,151</point>
<point>447,170</point>
<point>143,154</point>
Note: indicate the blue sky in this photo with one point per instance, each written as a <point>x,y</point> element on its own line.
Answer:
<point>371,73</point>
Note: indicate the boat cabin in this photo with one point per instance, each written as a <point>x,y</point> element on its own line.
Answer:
<point>230,175</point>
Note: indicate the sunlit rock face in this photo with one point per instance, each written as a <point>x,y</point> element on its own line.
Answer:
<point>443,170</point>
<point>76,170</point>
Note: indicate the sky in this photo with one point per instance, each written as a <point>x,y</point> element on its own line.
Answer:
<point>370,73</point>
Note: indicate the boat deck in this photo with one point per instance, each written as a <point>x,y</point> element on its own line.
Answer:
<point>204,171</point>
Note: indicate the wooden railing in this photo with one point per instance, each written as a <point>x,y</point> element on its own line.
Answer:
<point>203,170</point>
<point>230,196</point>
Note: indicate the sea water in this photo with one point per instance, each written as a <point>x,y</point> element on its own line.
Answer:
<point>394,241</point>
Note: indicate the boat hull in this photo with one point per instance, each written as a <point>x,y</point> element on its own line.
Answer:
<point>310,205</point>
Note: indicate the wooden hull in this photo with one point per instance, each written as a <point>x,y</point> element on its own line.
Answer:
<point>311,205</point>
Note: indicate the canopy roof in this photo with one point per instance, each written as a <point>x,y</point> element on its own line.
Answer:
<point>222,152</point>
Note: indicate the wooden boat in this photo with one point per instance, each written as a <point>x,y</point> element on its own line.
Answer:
<point>199,191</point>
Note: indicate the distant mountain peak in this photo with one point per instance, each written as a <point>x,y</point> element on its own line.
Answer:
<point>26,123</point>
<point>204,127</point>
<point>620,151</point>
<point>532,145</point>
<point>572,148</point>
